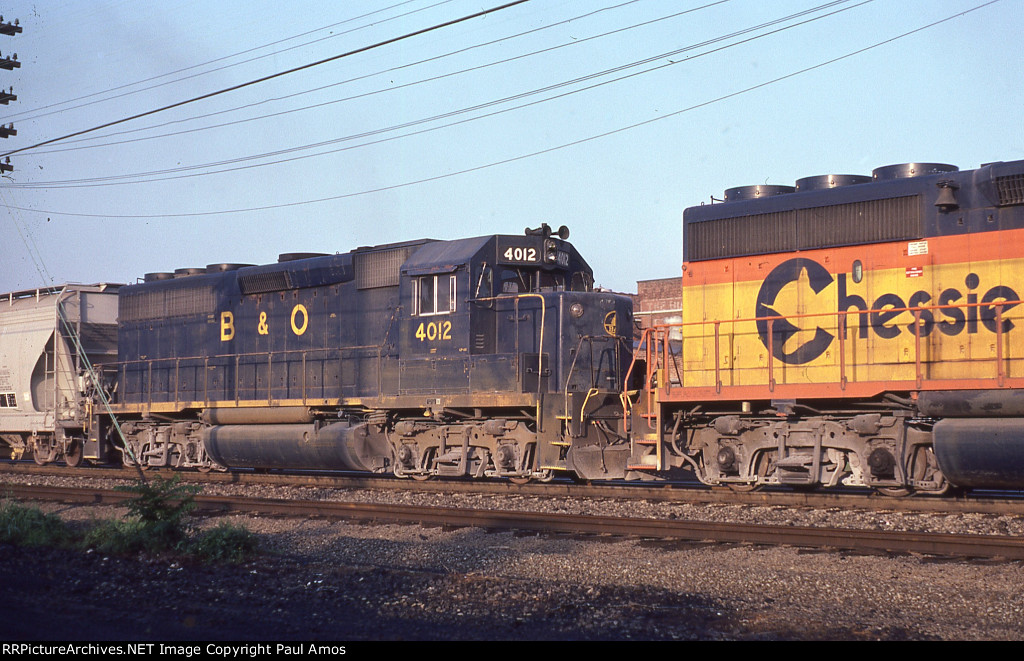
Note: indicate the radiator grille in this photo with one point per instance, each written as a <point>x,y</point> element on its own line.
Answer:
<point>184,302</point>
<point>871,221</point>
<point>379,268</point>
<point>1011,189</point>
<point>264,282</point>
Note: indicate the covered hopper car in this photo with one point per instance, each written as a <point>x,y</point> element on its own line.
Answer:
<point>47,337</point>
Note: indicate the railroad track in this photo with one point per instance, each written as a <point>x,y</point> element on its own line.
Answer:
<point>990,503</point>
<point>857,540</point>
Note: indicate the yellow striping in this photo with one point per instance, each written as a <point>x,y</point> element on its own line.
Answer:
<point>960,342</point>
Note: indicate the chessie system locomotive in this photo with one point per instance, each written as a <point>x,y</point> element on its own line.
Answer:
<point>849,330</point>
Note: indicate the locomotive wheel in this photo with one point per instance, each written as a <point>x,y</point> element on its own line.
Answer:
<point>922,467</point>
<point>519,480</point>
<point>73,453</point>
<point>425,462</point>
<point>761,464</point>
<point>895,492</point>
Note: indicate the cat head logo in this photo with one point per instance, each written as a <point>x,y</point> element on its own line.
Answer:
<point>611,323</point>
<point>790,342</point>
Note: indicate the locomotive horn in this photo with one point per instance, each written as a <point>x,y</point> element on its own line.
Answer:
<point>563,232</point>
<point>544,230</point>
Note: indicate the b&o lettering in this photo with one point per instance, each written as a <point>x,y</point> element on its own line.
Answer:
<point>299,312</point>
<point>227,326</point>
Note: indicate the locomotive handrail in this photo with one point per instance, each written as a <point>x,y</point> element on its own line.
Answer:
<point>540,341</point>
<point>659,333</point>
<point>919,308</point>
<point>148,363</point>
<point>657,337</point>
<point>589,339</point>
<point>232,355</point>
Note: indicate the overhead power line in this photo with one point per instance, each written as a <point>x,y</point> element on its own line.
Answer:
<point>380,72</point>
<point>548,150</point>
<point>264,79</point>
<point>156,175</point>
<point>27,114</point>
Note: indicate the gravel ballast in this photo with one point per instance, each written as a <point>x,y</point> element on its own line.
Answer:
<point>339,581</point>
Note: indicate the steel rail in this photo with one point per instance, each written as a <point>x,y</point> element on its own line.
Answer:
<point>845,539</point>
<point>689,493</point>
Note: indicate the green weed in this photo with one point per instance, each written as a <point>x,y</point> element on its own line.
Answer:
<point>156,523</point>
<point>224,542</point>
<point>30,526</point>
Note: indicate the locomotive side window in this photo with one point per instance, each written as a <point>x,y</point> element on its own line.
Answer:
<point>433,294</point>
<point>484,283</point>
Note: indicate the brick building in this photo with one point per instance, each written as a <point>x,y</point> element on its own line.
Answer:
<point>659,301</point>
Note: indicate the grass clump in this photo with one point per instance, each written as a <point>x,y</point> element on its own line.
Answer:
<point>30,526</point>
<point>225,542</point>
<point>156,523</point>
<point>116,536</point>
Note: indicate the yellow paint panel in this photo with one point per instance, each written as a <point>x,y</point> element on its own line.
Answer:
<point>807,293</point>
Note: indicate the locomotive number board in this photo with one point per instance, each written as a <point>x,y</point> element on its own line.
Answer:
<point>528,254</point>
<point>519,254</point>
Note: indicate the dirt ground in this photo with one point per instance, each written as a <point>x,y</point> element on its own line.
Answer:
<point>317,580</point>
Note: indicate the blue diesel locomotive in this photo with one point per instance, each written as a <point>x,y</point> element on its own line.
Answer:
<point>491,356</point>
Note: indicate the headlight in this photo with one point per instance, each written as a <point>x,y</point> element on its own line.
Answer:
<point>576,310</point>
<point>551,251</point>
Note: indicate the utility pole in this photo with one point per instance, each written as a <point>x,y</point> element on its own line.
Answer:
<point>10,64</point>
<point>9,28</point>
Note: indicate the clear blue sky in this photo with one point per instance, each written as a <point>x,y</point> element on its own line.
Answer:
<point>950,93</point>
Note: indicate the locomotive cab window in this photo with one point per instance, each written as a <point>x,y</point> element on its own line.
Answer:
<point>523,281</point>
<point>581,281</point>
<point>433,294</point>
<point>515,281</point>
<point>484,283</point>
<point>551,281</point>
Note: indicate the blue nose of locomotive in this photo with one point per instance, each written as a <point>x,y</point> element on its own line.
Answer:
<point>596,336</point>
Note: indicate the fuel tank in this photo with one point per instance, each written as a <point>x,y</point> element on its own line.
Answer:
<point>335,446</point>
<point>981,452</point>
